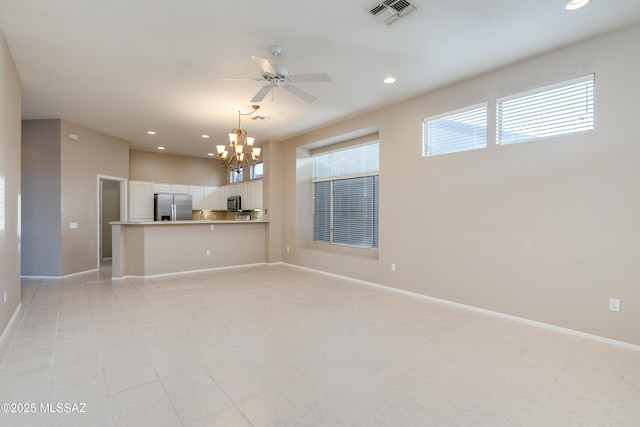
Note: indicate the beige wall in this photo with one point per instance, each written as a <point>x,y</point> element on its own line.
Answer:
<point>543,230</point>
<point>273,197</point>
<point>10,103</point>
<point>93,154</point>
<point>159,167</point>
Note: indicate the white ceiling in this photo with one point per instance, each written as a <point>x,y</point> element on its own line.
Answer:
<point>127,66</point>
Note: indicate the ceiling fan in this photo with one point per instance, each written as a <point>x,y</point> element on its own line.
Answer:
<point>277,76</point>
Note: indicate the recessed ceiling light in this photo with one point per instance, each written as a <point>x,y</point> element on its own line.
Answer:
<point>151,132</point>
<point>160,148</point>
<point>576,4</point>
<point>390,80</point>
<point>205,136</point>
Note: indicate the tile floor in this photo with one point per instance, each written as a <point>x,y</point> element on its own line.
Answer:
<point>278,346</point>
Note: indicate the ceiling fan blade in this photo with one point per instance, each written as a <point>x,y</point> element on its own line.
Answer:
<point>311,78</point>
<point>302,94</point>
<point>264,65</point>
<point>261,93</point>
<point>257,79</point>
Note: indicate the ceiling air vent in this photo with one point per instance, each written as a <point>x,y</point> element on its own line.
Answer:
<point>389,11</point>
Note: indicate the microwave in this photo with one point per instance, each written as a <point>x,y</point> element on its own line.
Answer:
<point>234,204</point>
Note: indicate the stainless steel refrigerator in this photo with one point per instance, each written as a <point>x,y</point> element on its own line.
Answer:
<point>172,207</point>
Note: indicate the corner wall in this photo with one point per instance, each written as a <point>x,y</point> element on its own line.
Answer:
<point>60,187</point>
<point>82,160</point>
<point>544,230</point>
<point>10,115</point>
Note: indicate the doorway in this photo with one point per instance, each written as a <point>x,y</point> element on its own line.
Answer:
<point>111,207</point>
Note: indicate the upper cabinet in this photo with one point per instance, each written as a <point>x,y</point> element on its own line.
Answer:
<point>197,196</point>
<point>207,198</point>
<point>254,195</point>
<point>141,200</point>
<point>212,199</point>
<point>179,189</point>
<point>160,187</point>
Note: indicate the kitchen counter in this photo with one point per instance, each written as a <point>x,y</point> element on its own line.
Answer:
<point>190,222</point>
<point>156,248</point>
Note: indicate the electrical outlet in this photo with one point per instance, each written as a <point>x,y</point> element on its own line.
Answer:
<point>614,304</point>
<point>288,248</point>
<point>208,252</point>
<point>393,267</point>
<point>212,227</point>
<point>5,297</point>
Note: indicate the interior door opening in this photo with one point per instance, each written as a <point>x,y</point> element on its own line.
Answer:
<point>111,200</point>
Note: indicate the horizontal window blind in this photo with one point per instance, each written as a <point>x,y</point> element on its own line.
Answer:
<point>350,161</point>
<point>551,111</point>
<point>454,132</point>
<point>322,211</point>
<point>346,206</point>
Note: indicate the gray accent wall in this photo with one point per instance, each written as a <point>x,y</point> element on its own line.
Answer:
<point>10,106</point>
<point>41,198</point>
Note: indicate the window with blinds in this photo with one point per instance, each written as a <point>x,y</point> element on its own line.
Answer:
<point>560,109</point>
<point>457,131</point>
<point>345,196</point>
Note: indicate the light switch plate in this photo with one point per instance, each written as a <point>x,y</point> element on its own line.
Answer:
<point>73,225</point>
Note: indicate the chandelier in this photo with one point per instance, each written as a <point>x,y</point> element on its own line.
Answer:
<point>240,153</point>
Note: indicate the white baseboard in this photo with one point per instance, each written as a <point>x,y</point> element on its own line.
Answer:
<point>11,322</point>
<point>204,270</point>
<point>476,309</point>
<point>58,277</point>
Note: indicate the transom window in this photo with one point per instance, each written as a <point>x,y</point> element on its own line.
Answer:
<point>455,131</point>
<point>236,176</point>
<point>257,170</point>
<point>560,109</point>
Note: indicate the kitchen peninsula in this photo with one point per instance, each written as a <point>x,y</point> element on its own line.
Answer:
<point>144,249</point>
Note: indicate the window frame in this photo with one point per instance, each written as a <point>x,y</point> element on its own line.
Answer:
<point>252,175</point>
<point>375,202</point>
<point>484,111</point>
<point>233,174</point>
<point>589,80</point>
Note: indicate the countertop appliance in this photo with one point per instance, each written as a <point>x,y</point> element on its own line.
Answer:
<point>234,204</point>
<point>172,207</point>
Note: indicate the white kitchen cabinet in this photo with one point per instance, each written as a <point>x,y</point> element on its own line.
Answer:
<point>239,189</point>
<point>197,196</point>
<point>179,189</point>
<point>223,193</point>
<point>254,195</point>
<point>141,200</point>
<point>161,188</point>
<point>210,201</point>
